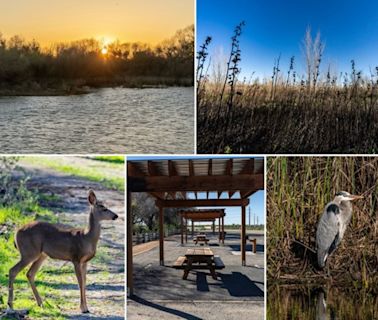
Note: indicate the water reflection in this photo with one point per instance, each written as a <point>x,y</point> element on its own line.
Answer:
<point>320,303</point>
<point>110,120</point>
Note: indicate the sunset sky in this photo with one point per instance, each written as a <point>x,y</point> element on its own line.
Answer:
<point>50,21</point>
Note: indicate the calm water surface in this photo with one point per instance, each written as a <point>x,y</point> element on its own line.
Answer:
<point>320,303</point>
<point>111,120</point>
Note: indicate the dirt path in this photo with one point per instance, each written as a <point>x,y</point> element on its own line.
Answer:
<point>67,197</point>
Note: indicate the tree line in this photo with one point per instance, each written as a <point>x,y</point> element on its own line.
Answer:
<point>83,62</point>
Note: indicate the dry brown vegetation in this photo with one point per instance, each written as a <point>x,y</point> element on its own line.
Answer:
<point>298,188</point>
<point>289,113</point>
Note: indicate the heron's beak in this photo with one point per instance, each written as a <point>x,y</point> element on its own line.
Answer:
<point>356,197</point>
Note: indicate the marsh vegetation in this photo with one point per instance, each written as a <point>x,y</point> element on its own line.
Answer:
<point>316,111</point>
<point>298,189</point>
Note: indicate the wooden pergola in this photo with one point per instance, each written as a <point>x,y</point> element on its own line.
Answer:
<point>204,215</point>
<point>177,183</point>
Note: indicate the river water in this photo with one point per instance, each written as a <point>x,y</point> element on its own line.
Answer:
<point>109,120</point>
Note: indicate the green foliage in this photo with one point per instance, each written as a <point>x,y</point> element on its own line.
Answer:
<point>99,173</point>
<point>114,159</point>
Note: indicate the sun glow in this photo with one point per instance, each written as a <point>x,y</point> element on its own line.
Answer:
<point>104,50</point>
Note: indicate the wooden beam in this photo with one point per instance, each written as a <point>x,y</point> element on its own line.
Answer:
<point>223,230</point>
<point>203,219</point>
<point>191,168</point>
<point>172,171</point>
<point>230,194</point>
<point>129,227</point>
<point>243,234</point>
<point>186,230</point>
<point>134,170</point>
<point>219,230</point>
<point>195,183</point>
<point>219,194</point>
<point>158,195</point>
<point>229,166</point>
<point>152,168</point>
<point>249,167</point>
<point>182,230</point>
<point>202,203</point>
<point>247,193</point>
<point>210,168</point>
<point>202,215</point>
<point>161,235</point>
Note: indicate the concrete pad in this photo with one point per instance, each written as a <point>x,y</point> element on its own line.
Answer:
<point>161,291</point>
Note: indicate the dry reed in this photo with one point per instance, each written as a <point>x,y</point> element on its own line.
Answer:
<point>298,189</point>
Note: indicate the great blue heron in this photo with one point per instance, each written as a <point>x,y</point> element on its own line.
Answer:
<point>332,225</point>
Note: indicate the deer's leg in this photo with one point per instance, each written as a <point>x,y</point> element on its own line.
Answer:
<point>31,275</point>
<point>80,280</point>
<point>13,272</point>
<point>84,276</point>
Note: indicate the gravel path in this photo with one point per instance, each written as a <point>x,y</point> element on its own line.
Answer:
<point>105,280</point>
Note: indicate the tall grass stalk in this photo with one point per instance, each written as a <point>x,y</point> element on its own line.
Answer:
<point>298,188</point>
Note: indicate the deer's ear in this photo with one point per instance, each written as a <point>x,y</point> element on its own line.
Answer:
<point>92,197</point>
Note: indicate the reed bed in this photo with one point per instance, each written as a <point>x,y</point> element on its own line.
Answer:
<point>315,112</point>
<point>298,188</point>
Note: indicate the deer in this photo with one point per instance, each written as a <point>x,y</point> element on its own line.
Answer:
<point>38,240</point>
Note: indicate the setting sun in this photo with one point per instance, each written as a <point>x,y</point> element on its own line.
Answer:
<point>104,50</point>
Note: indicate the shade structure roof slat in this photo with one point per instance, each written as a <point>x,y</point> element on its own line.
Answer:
<point>240,175</point>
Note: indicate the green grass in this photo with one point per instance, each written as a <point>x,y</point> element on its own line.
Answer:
<point>112,159</point>
<point>109,173</point>
<point>15,217</point>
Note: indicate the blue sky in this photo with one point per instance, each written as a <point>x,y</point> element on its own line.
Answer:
<point>348,28</point>
<point>233,214</point>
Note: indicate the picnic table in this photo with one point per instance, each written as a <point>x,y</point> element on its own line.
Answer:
<point>201,238</point>
<point>199,258</point>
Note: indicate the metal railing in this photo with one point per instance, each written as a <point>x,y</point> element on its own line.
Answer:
<point>151,236</point>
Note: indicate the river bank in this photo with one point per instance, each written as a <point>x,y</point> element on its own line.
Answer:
<point>80,86</point>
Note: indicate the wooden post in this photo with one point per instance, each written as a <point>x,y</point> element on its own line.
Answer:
<point>161,235</point>
<point>243,235</point>
<point>192,229</point>
<point>254,245</point>
<point>186,230</point>
<point>223,230</point>
<point>213,227</point>
<point>219,229</point>
<point>129,254</point>
<point>182,230</point>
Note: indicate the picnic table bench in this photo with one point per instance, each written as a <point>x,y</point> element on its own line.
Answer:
<point>199,258</point>
<point>201,239</point>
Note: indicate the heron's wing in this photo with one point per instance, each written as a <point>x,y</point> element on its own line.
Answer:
<point>327,233</point>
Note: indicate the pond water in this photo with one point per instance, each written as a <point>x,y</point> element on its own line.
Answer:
<point>109,120</point>
<point>320,303</point>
